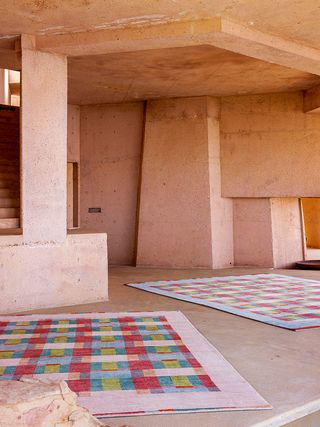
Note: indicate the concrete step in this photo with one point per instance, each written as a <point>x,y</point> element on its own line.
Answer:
<point>9,213</point>
<point>9,167</point>
<point>10,231</point>
<point>6,159</point>
<point>9,154</point>
<point>8,116</point>
<point>9,145</point>
<point>11,163</point>
<point>12,139</point>
<point>5,126</point>
<point>9,175</point>
<point>13,185</point>
<point>7,202</point>
<point>9,193</point>
<point>9,150</point>
<point>9,223</point>
<point>4,122</point>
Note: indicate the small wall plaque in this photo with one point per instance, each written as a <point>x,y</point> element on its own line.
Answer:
<point>94,210</point>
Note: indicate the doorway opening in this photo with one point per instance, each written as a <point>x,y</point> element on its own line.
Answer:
<point>311,216</point>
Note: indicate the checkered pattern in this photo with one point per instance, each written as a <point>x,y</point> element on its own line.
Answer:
<point>143,354</point>
<point>290,302</point>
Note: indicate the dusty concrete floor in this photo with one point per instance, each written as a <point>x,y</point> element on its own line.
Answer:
<point>283,366</point>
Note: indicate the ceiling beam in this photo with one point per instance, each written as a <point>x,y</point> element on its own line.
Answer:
<point>311,100</point>
<point>217,32</point>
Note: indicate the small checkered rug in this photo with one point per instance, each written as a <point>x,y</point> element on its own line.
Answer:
<point>125,363</point>
<point>288,302</point>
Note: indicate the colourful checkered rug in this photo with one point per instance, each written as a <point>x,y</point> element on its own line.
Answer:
<point>288,302</point>
<point>125,363</point>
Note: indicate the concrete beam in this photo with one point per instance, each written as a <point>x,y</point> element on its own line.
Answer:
<point>216,31</point>
<point>311,100</point>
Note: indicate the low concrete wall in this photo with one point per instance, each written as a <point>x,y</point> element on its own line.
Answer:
<point>49,275</point>
<point>268,232</point>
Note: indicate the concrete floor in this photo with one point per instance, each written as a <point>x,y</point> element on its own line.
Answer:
<point>283,366</point>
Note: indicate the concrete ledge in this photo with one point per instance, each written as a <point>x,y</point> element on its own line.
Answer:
<point>298,413</point>
<point>48,274</point>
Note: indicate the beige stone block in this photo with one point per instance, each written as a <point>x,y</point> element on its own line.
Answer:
<point>35,403</point>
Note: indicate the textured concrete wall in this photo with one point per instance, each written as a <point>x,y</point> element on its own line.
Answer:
<point>269,147</point>
<point>111,139</point>
<point>180,209</point>
<point>73,133</point>
<point>51,275</point>
<point>44,146</point>
<point>311,212</point>
<point>253,232</point>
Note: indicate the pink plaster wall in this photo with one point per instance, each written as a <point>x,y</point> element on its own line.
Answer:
<point>253,243</point>
<point>111,139</point>
<point>269,147</point>
<point>179,205</point>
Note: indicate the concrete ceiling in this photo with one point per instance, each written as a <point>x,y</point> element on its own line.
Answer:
<point>124,50</point>
<point>291,19</point>
<point>176,72</point>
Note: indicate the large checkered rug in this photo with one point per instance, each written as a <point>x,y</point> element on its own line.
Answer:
<point>288,302</point>
<point>125,363</point>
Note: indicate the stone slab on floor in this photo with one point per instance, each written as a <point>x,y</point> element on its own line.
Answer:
<point>33,403</point>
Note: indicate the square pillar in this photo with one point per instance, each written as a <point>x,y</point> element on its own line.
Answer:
<point>43,144</point>
<point>183,221</point>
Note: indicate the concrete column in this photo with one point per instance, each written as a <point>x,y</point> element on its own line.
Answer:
<point>183,221</point>
<point>44,144</point>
